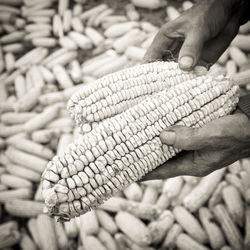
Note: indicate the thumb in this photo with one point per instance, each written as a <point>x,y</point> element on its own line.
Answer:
<point>183,138</point>
<point>191,49</point>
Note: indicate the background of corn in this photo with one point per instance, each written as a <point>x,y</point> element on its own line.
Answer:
<point>48,50</point>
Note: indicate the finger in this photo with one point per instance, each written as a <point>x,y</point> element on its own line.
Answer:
<point>181,165</point>
<point>162,42</point>
<point>157,48</point>
<point>218,134</point>
<point>184,137</point>
<point>191,49</point>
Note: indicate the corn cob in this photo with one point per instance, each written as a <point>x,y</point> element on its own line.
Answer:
<point>106,221</point>
<point>126,243</point>
<point>172,187</point>
<point>214,233</point>
<point>216,197</point>
<point>234,204</point>
<point>122,149</point>
<point>247,228</point>
<point>47,234</point>
<point>93,243</point>
<point>185,190</point>
<point>139,209</point>
<point>26,243</point>
<point>89,223</point>
<point>24,208</point>
<point>229,228</point>
<point>61,236</point>
<point>33,162</point>
<point>184,242</point>
<point>71,229</point>
<point>190,224</point>
<point>133,192</point>
<point>32,226</point>
<point>150,195</point>
<point>172,234</point>
<point>106,239</point>
<point>131,12</point>
<point>159,228</point>
<point>163,201</point>
<point>133,227</point>
<point>13,181</point>
<point>201,193</point>
<point>9,234</point>
<point>114,93</point>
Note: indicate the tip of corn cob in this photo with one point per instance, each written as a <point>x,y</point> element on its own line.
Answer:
<point>122,149</point>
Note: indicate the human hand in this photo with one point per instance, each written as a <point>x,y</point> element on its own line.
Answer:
<point>215,145</point>
<point>200,35</point>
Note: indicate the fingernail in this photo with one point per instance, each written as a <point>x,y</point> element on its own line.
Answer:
<point>186,62</point>
<point>168,137</point>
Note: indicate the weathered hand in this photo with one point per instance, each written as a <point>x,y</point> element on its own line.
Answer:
<point>200,35</point>
<point>215,145</point>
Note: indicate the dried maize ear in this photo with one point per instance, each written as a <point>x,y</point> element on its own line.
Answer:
<point>93,243</point>
<point>38,194</point>
<point>26,243</point>
<point>20,193</point>
<point>201,193</point>
<point>106,239</point>
<point>118,91</point>
<point>172,187</point>
<point>163,201</point>
<point>24,208</point>
<point>216,197</point>
<point>12,118</point>
<point>139,209</point>
<point>13,181</point>
<point>242,42</point>
<point>134,228</point>
<point>238,55</point>
<point>150,4</point>
<point>61,236</point>
<point>40,120</point>
<point>106,221</point>
<point>31,147</point>
<point>89,223</point>
<point>122,149</point>
<point>131,12</point>
<point>159,228</point>
<point>190,224</point>
<point>46,230</point>
<point>120,29</point>
<point>71,229</point>
<point>133,192</point>
<point>226,248</point>
<point>215,235</point>
<point>234,204</point>
<point>150,195</point>
<point>185,190</point>
<point>236,182</point>
<point>32,226</point>
<point>247,228</point>
<point>229,228</point>
<point>172,234</point>
<point>9,234</point>
<point>185,242</point>
<point>32,162</point>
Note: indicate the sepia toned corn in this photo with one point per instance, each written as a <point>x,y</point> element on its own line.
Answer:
<point>122,149</point>
<point>118,91</point>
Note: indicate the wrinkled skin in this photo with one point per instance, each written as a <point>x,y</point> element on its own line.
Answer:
<point>215,145</point>
<point>200,35</point>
